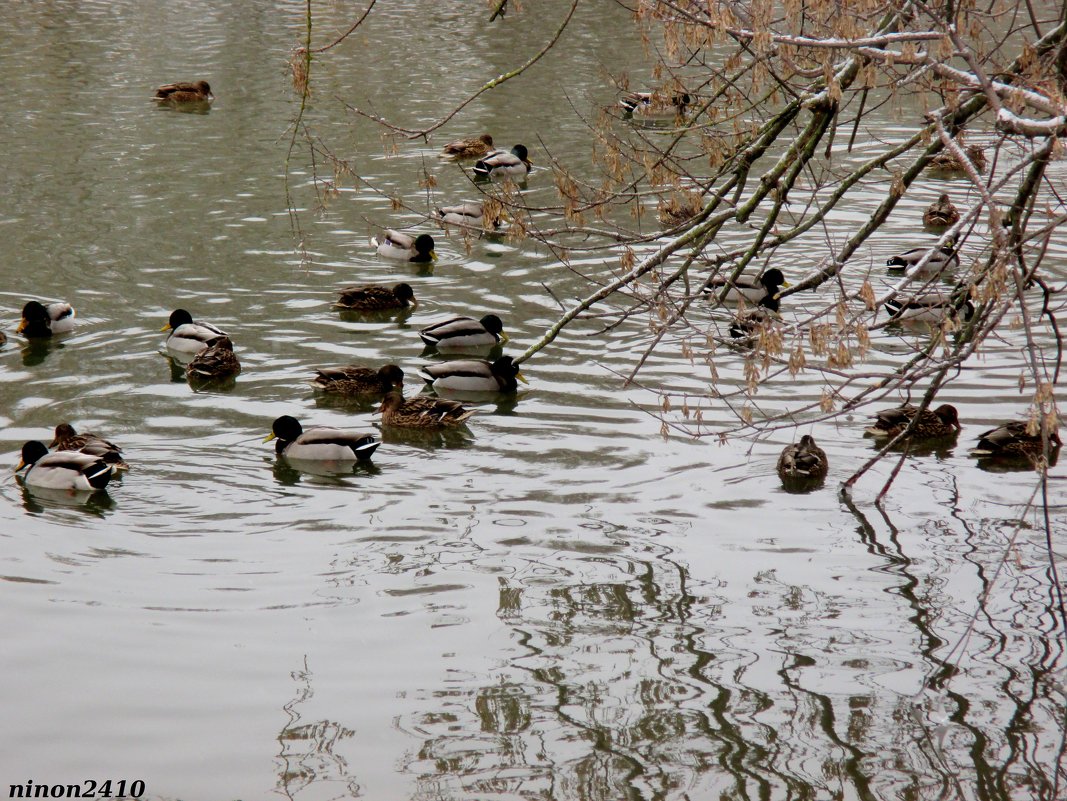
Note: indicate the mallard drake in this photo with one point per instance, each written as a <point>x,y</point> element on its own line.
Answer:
<point>941,214</point>
<point>803,460</point>
<point>943,421</point>
<point>459,333</point>
<point>472,148</point>
<point>474,375</point>
<point>187,335</point>
<point>946,161</point>
<point>1012,439</point>
<point>375,298</point>
<point>501,163</point>
<point>215,362</point>
<point>930,307</point>
<point>422,411</point>
<point>320,443</point>
<point>69,470</point>
<point>355,380</point>
<point>185,92</point>
<point>762,291</point>
<point>467,215</point>
<point>940,259</point>
<point>39,320</point>
<point>395,245</point>
<point>649,104</point>
<point>67,439</point>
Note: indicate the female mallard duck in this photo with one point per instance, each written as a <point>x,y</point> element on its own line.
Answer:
<point>943,421</point>
<point>467,215</point>
<point>678,210</point>
<point>1012,439</point>
<point>459,333</point>
<point>803,460</point>
<point>930,307</point>
<point>423,411</point>
<point>39,320</point>
<point>356,380</point>
<point>938,260</point>
<point>67,439</point>
<point>188,336</point>
<point>395,245</point>
<point>474,375</point>
<point>376,298</point>
<point>763,291</point>
<point>749,324</point>
<point>946,161</point>
<point>215,363</point>
<point>649,104</point>
<point>185,92</point>
<point>501,164</point>
<point>3,339</point>
<point>941,214</point>
<point>320,443</point>
<point>69,470</point>
<point>473,148</point>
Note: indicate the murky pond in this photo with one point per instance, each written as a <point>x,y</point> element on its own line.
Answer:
<point>561,603</point>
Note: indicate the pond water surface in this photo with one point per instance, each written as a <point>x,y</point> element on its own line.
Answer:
<point>562,604</point>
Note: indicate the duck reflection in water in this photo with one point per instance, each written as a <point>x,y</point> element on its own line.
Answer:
<point>290,472</point>
<point>35,351</point>
<point>1017,463</point>
<point>37,500</point>
<point>428,439</point>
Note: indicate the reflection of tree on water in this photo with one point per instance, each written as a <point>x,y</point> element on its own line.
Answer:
<point>1008,746</point>
<point>607,701</point>
<point>306,753</point>
<point>643,685</point>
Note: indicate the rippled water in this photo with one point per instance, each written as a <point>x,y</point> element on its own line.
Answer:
<point>562,604</point>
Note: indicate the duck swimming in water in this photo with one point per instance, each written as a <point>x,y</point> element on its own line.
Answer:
<point>504,164</point>
<point>40,321</point>
<point>396,245</point>
<point>320,443</point>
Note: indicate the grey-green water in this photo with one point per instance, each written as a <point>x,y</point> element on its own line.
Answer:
<point>564,605</point>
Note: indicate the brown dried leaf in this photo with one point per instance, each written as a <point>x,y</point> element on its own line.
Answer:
<point>896,187</point>
<point>867,295</point>
<point>797,360</point>
<point>826,402</point>
<point>298,67</point>
<point>841,356</point>
<point>1033,424</point>
<point>714,372</point>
